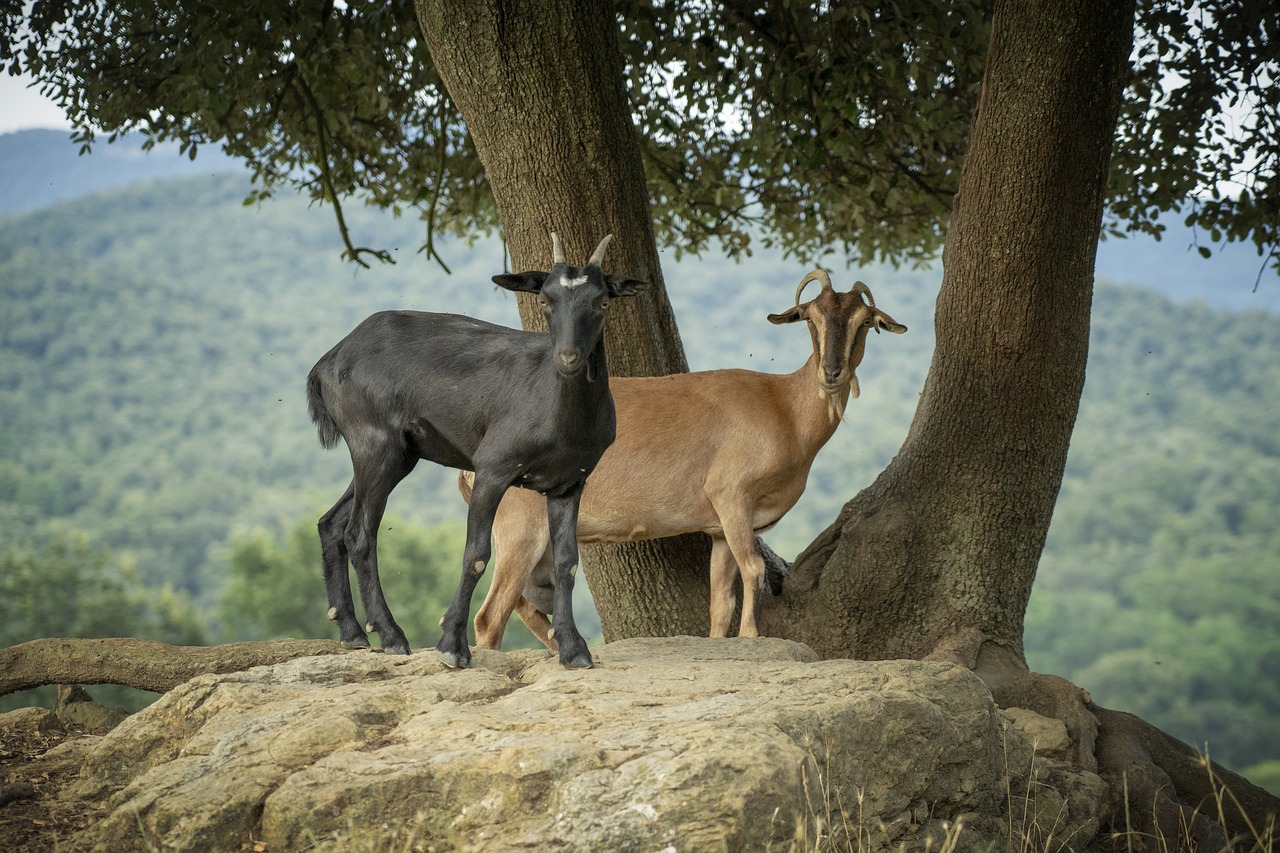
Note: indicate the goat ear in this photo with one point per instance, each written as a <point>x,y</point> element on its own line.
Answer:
<point>621,285</point>
<point>884,321</point>
<point>529,282</point>
<point>791,315</point>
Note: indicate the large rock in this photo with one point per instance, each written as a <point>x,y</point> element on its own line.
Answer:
<point>675,744</point>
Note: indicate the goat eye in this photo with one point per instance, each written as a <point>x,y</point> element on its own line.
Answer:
<point>542,301</point>
<point>604,304</point>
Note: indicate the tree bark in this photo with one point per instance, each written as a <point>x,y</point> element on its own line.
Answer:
<point>936,558</point>
<point>541,88</point>
<point>144,664</point>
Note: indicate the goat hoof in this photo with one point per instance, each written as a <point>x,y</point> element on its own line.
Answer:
<point>400,648</point>
<point>360,642</point>
<point>581,660</point>
<point>453,660</point>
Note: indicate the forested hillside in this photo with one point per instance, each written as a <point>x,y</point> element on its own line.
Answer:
<point>42,167</point>
<point>153,433</point>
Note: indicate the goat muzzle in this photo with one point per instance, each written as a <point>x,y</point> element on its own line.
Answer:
<point>569,361</point>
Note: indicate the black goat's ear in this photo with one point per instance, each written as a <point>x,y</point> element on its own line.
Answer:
<point>791,315</point>
<point>621,285</point>
<point>529,282</point>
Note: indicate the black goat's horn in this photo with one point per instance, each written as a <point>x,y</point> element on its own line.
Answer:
<point>597,257</point>
<point>557,251</point>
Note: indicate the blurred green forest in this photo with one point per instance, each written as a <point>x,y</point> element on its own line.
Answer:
<point>159,476</point>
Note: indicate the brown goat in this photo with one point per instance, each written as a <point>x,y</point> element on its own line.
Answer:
<point>723,452</point>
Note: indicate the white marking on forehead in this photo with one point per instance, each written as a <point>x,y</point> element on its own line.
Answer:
<point>574,282</point>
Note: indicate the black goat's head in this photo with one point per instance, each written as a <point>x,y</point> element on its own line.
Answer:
<point>574,301</point>
<point>838,323</point>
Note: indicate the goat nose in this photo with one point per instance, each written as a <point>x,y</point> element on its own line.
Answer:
<point>568,358</point>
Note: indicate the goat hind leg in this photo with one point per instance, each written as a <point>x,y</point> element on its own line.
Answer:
<point>520,549</point>
<point>374,480</point>
<point>537,622</point>
<point>332,528</point>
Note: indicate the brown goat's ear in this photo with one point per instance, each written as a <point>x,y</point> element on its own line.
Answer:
<point>884,321</point>
<point>791,315</point>
<point>621,285</point>
<point>529,282</point>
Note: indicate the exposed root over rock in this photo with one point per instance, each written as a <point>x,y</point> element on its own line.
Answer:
<point>1163,793</point>
<point>144,664</point>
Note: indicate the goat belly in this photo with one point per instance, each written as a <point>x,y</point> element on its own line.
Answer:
<point>553,484</point>
<point>429,443</point>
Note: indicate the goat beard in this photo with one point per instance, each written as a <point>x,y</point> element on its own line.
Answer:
<point>835,404</point>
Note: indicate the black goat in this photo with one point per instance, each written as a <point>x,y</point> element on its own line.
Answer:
<point>529,409</point>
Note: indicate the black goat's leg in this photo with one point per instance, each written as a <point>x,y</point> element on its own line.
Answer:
<point>562,519</point>
<point>333,548</point>
<point>485,497</point>
<point>374,480</point>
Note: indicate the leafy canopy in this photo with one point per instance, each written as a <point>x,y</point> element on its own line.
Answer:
<point>811,125</point>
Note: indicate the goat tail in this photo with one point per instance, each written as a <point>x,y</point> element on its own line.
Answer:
<point>325,427</point>
<point>466,481</point>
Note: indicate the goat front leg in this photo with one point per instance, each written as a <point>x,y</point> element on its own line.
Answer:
<point>485,497</point>
<point>742,541</point>
<point>736,549</point>
<point>562,521</point>
<point>724,571</point>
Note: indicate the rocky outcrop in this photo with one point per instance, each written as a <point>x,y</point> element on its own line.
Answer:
<point>676,744</point>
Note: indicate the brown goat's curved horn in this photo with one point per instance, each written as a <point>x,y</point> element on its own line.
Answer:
<point>597,257</point>
<point>557,251</point>
<point>819,276</point>
<point>861,288</point>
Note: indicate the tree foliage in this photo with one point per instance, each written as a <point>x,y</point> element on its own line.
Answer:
<point>1200,131</point>
<point>813,126</point>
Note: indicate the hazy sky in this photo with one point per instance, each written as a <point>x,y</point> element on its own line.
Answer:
<point>22,108</point>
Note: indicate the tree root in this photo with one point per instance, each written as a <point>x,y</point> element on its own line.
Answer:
<point>1162,790</point>
<point>144,664</point>
<point>1176,796</point>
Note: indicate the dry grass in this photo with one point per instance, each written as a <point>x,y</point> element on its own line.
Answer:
<point>1036,823</point>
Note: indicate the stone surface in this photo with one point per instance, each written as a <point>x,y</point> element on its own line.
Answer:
<point>678,744</point>
<point>1046,734</point>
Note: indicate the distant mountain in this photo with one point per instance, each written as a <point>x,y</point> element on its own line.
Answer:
<point>41,167</point>
<point>1173,266</point>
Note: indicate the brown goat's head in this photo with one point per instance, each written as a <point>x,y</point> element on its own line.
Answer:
<point>838,323</point>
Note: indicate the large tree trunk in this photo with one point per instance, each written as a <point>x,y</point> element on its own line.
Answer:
<point>571,163</point>
<point>936,558</point>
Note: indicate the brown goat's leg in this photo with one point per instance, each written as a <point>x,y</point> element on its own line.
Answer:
<point>537,622</point>
<point>520,542</point>
<point>724,571</point>
<point>751,569</point>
